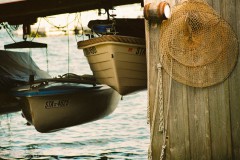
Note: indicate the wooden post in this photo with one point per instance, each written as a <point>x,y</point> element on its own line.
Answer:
<point>203,123</point>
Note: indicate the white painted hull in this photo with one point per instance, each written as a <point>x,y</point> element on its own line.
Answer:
<point>49,111</point>
<point>119,65</point>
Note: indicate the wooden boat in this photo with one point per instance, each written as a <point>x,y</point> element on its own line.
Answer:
<point>118,61</point>
<point>53,106</point>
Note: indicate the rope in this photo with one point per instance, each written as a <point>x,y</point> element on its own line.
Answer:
<point>37,29</point>
<point>9,34</point>
<point>160,92</point>
<point>68,47</point>
<point>47,60</point>
<point>158,95</point>
<point>60,27</point>
<point>39,23</point>
<point>159,100</point>
<point>79,21</point>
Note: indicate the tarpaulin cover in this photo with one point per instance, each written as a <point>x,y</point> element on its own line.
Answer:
<point>15,68</point>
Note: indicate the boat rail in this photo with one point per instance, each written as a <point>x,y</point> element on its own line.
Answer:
<point>111,38</point>
<point>68,78</point>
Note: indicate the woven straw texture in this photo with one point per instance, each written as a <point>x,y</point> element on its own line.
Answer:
<point>198,47</point>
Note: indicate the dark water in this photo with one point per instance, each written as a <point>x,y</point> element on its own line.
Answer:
<point>122,135</point>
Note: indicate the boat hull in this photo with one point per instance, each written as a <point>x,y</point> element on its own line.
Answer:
<point>120,65</point>
<point>52,112</point>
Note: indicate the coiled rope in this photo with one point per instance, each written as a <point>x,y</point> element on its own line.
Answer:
<point>159,101</point>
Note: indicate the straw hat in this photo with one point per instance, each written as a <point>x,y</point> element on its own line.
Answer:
<point>198,48</point>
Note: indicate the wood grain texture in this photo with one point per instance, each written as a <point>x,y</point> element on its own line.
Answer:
<point>203,123</point>
<point>178,123</point>
<point>232,15</point>
<point>152,30</point>
<point>220,121</point>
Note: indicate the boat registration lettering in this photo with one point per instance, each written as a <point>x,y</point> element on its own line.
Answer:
<point>56,103</point>
<point>141,51</point>
<point>90,50</point>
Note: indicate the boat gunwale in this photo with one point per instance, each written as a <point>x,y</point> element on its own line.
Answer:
<point>111,42</point>
<point>55,92</point>
<point>112,39</point>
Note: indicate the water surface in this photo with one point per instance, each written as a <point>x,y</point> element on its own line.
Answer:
<point>122,135</point>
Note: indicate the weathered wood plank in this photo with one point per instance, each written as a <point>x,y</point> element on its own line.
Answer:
<point>186,122</point>
<point>220,121</point>
<point>165,101</point>
<point>217,6</point>
<point>232,15</point>
<point>219,113</point>
<point>178,123</point>
<point>204,123</point>
<point>207,124</point>
<point>153,60</point>
<point>198,123</point>
<point>210,2</point>
<point>178,146</point>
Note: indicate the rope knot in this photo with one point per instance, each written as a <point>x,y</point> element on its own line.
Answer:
<point>162,152</point>
<point>164,146</point>
<point>159,66</point>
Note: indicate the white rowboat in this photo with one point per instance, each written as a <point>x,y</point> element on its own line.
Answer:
<point>118,61</point>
